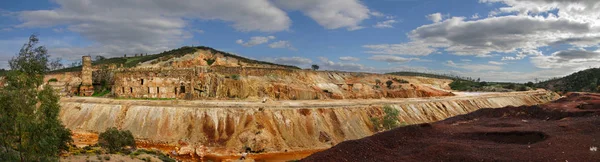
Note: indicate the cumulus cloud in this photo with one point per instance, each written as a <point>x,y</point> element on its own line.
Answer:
<point>475,16</point>
<point>412,48</point>
<point>390,58</point>
<point>435,17</point>
<point>385,24</point>
<point>131,26</point>
<point>331,14</point>
<point>496,63</point>
<point>297,61</point>
<point>349,58</point>
<point>526,26</point>
<point>568,59</point>
<point>473,67</point>
<point>326,64</point>
<point>282,44</point>
<point>254,41</point>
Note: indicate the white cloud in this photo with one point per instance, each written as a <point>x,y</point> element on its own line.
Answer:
<point>385,24</point>
<point>297,61</point>
<point>254,41</point>
<point>326,64</point>
<point>435,17</point>
<point>568,59</point>
<point>377,14</point>
<point>390,58</point>
<point>349,58</point>
<point>282,44</point>
<point>331,14</point>
<point>475,16</point>
<point>496,63</point>
<point>412,48</point>
<point>153,26</point>
<point>465,60</point>
<point>473,67</point>
<point>575,24</point>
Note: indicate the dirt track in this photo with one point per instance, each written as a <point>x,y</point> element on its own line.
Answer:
<point>564,130</point>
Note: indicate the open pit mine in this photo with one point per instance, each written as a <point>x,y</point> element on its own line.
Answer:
<point>207,104</point>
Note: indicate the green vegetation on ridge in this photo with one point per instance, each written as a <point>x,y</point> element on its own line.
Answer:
<point>470,84</point>
<point>175,53</point>
<point>581,81</point>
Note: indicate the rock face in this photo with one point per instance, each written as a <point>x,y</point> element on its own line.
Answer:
<point>227,127</point>
<point>563,130</point>
<point>221,82</point>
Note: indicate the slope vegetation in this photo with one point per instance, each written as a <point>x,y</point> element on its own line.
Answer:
<point>582,81</point>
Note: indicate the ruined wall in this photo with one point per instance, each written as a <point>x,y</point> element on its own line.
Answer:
<point>221,82</point>
<point>153,83</point>
<point>226,127</point>
<point>86,88</point>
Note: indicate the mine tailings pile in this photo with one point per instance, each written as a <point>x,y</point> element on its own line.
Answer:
<point>223,129</point>
<point>563,130</point>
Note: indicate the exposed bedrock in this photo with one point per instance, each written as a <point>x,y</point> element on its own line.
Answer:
<point>227,127</point>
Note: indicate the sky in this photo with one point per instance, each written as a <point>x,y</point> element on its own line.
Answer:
<point>495,40</point>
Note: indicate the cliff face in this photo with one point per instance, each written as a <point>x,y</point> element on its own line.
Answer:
<point>277,84</point>
<point>226,127</point>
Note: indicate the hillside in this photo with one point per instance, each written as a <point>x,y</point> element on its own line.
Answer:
<point>563,130</point>
<point>470,84</point>
<point>165,57</point>
<point>582,81</point>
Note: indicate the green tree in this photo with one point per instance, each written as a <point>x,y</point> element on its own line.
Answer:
<point>29,124</point>
<point>315,67</point>
<point>115,140</point>
<point>389,120</point>
<point>389,83</point>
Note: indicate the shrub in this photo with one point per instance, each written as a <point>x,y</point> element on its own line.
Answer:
<point>107,157</point>
<point>389,83</point>
<point>53,80</point>
<point>389,121</point>
<point>209,61</point>
<point>235,77</point>
<point>400,80</point>
<point>115,140</point>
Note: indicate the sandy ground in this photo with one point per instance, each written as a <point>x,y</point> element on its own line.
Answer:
<point>291,103</point>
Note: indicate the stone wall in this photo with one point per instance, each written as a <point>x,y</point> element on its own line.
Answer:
<point>86,88</point>
<point>154,83</point>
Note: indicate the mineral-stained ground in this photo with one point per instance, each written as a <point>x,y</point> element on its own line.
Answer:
<point>567,129</point>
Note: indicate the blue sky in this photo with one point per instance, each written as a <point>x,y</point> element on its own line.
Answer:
<point>495,40</point>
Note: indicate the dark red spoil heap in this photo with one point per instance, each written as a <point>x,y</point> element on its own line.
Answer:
<point>564,130</point>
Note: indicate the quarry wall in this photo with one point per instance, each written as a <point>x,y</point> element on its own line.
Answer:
<point>221,82</point>
<point>226,127</point>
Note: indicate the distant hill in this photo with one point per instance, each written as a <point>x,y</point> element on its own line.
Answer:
<point>470,84</point>
<point>133,61</point>
<point>582,81</point>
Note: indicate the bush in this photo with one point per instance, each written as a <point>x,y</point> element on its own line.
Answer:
<point>400,80</point>
<point>235,77</point>
<point>389,83</point>
<point>107,157</point>
<point>53,80</point>
<point>209,61</point>
<point>115,140</point>
<point>389,121</point>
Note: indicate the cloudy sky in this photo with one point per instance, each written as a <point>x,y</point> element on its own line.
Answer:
<point>495,40</point>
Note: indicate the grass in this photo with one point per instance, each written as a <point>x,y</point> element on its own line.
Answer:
<point>100,94</point>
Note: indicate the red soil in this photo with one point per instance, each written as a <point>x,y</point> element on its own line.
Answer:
<point>563,130</point>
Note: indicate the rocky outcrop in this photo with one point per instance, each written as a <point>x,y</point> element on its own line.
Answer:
<point>277,84</point>
<point>226,127</point>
